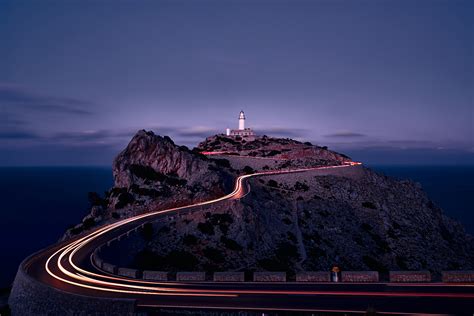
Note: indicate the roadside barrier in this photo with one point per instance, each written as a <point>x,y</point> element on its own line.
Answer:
<point>229,277</point>
<point>410,276</point>
<point>360,276</point>
<point>458,276</point>
<point>269,276</point>
<point>313,276</point>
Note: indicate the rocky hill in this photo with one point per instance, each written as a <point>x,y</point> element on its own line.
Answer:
<point>153,173</point>
<point>353,217</point>
<point>293,152</point>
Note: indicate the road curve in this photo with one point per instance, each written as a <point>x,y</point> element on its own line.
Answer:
<point>68,267</point>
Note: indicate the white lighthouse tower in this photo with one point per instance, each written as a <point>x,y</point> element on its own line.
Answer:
<point>241,120</point>
<point>242,131</point>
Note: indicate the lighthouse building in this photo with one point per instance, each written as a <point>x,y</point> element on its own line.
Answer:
<point>242,130</point>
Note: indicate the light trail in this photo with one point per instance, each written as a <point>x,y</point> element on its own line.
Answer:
<point>63,260</point>
<point>87,279</point>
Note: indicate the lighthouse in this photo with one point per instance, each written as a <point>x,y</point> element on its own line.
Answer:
<point>241,121</point>
<point>242,131</point>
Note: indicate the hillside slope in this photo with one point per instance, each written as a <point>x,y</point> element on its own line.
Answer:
<point>353,217</point>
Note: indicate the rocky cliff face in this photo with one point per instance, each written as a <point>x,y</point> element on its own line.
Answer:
<point>353,216</point>
<point>358,219</point>
<point>153,173</point>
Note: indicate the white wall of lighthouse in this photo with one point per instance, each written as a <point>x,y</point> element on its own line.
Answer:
<point>241,120</point>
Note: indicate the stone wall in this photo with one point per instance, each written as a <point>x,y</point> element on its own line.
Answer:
<point>458,276</point>
<point>108,267</point>
<point>229,277</point>
<point>155,275</point>
<point>313,276</point>
<point>410,276</point>
<point>129,273</point>
<point>190,276</point>
<point>360,276</point>
<point>122,250</point>
<point>33,298</point>
<point>269,276</point>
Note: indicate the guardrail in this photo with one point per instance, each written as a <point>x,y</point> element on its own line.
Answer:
<point>410,276</point>
<point>466,276</point>
<point>266,276</point>
<point>458,276</point>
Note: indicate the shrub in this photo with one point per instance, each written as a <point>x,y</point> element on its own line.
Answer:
<point>381,243</point>
<point>115,215</point>
<point>273,153</point>
<point>206,228</point>
<point>308,144</point>
<point>190,240</point>
<point>291,237</point>
<point>164,230</point>
<point>272,183</point>
<point>287,221</point>
<point>146,173</point>
<point>248,170</point>
<point>286,251</point>
<point>145,191</point>
<point>369,205</point>
<point>323,213</point>
<point>124,199</point>
<point>176,181</point>
<point>221,218</point>
<point>117,191</point>
<point>373,264</point>
<point>401,262</point>
<point>301,186</point>
<point>95,199</point>
<point>231,244</point>
<point>213,254</point>
<point>366,227</point>
<point>222,162</point>
<point>316,252</point>
<point>181,260</point>
<point>273,264</point>
<point>77,230</point>
<point>147,260</point>
<point>88,223</point>
<point>147,231</point>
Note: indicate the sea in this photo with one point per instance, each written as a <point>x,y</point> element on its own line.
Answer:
<point>39,203</point>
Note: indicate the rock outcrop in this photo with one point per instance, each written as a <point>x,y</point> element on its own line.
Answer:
<point>153,173</point>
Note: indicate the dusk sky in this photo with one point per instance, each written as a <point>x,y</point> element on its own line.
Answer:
<point>382,81</point>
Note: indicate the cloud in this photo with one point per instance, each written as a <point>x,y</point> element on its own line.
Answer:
<point>18,135</point>
<point>196,132</point>
<point>283,132</point>
<point>345,134</point>
<point>15,98</point>
<point>397,145</point>
<point>186,135</point>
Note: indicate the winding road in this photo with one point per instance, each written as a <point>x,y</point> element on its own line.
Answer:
<point>68,267</point>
